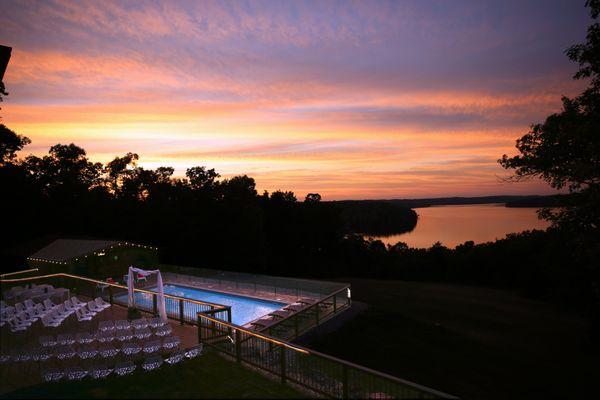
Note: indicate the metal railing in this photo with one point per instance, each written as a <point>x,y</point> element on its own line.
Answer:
<point>182,309</point>
<point>319,373</point>
<point>25,271</point>
<point>296,324</point>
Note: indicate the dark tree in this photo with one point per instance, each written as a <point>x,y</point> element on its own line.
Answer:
<point>312,198</point>
<point>201,178</point>
<point>565,149</point>
<point>10,144</point>
<point>279,196</point>
<point>119,170</point>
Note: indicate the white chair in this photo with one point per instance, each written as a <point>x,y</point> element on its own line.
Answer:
<point>175,357</point>
<point>156,322</point>
<point>29,304</point>
<point>107,350</point>
<point>130,348</point>
<point>52,374</point>
<point>75,373</point>
<point>65,339</point>
<point>77,302</point>
<point>74,303</point>
<point>139,323</point>
<point>124,335</point>
<point>7,314</point>
<point>87,351</point>
<point>106,337</point>
<point>64,352</point>
<point>163,330</point>
<point>19,307</point>
<point>49,322</point>
<point>143,333</point>
<point>152,346</point>
<point>122,324</point>
<point>124,368</point>
<point>25,317</point>
<point>193,352</point>
<point>42,354</point>
<point>39,310</point>
<point>171,342</point>
<point>101,303</point>
<point>106,325</point>
<point>49,305</point>
<point>151,363</point>
<point>85,338</point>
<point>91,305</point>
<point>70,307</point>
<point>16,325</point>
<point>81,316</point>
<point>86,311</point>
<point>63,311</point>
<point>99,371</point>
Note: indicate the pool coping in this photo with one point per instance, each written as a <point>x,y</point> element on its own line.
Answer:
<point>253,296</point>
<point>248,324</point>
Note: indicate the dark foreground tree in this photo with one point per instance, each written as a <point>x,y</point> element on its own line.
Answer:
<point>565,152</point>
<point>10,143</point>
<point>565,149</point>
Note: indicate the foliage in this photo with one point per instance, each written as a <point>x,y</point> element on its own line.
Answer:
<point>10,144</point>
<point>565,149</point>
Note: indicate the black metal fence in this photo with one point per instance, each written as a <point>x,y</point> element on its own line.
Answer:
<point>319,373</point>
<point>292,326</point>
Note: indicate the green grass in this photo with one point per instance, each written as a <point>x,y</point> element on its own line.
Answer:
<point>470,342</point>
<point>208,376</point>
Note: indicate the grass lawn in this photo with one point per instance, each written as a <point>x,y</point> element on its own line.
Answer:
<point>208,376</point>
<point>470,342</point>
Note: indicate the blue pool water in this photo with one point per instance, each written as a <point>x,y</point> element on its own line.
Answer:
<point>243,309</point>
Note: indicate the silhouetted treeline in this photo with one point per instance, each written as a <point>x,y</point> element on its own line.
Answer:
<point>539,201</point>
<point>376,217</point>
<point>515,201</point>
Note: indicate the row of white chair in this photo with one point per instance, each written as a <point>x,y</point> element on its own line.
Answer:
<point>90,351</point>
<point>121,368</point>
<point>23,315</point>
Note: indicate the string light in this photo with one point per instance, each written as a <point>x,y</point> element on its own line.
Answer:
<point>102,253</point>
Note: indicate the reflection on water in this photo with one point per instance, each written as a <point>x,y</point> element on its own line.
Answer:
<point>453,225</point>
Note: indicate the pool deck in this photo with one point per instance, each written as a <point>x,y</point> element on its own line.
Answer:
<point>21,374</point>
<point>232,289</point>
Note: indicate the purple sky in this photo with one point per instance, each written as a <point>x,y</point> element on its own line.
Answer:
<point>360,99</point>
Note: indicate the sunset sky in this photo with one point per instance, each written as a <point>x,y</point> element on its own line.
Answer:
<point>364,99</point>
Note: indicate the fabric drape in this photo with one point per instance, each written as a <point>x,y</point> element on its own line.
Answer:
<point>162,310</point>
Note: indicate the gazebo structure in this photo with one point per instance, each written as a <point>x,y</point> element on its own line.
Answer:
<point>93,258</point>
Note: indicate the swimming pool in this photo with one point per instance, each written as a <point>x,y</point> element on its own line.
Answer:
<point>243,309</point>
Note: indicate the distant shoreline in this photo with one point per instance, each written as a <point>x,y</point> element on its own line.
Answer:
<point>508,201</point>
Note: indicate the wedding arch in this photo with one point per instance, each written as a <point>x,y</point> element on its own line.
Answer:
<point>162,311</point>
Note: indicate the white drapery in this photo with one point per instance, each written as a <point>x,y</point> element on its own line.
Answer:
<point>162,311</point>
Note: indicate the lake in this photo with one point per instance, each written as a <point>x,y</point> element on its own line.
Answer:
<point>453,225</point>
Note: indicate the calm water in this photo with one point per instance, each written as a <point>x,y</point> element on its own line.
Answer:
<point>453,225</point>
<point>243,309</point>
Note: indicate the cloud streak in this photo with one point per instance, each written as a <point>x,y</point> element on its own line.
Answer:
<point>351,99</point>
